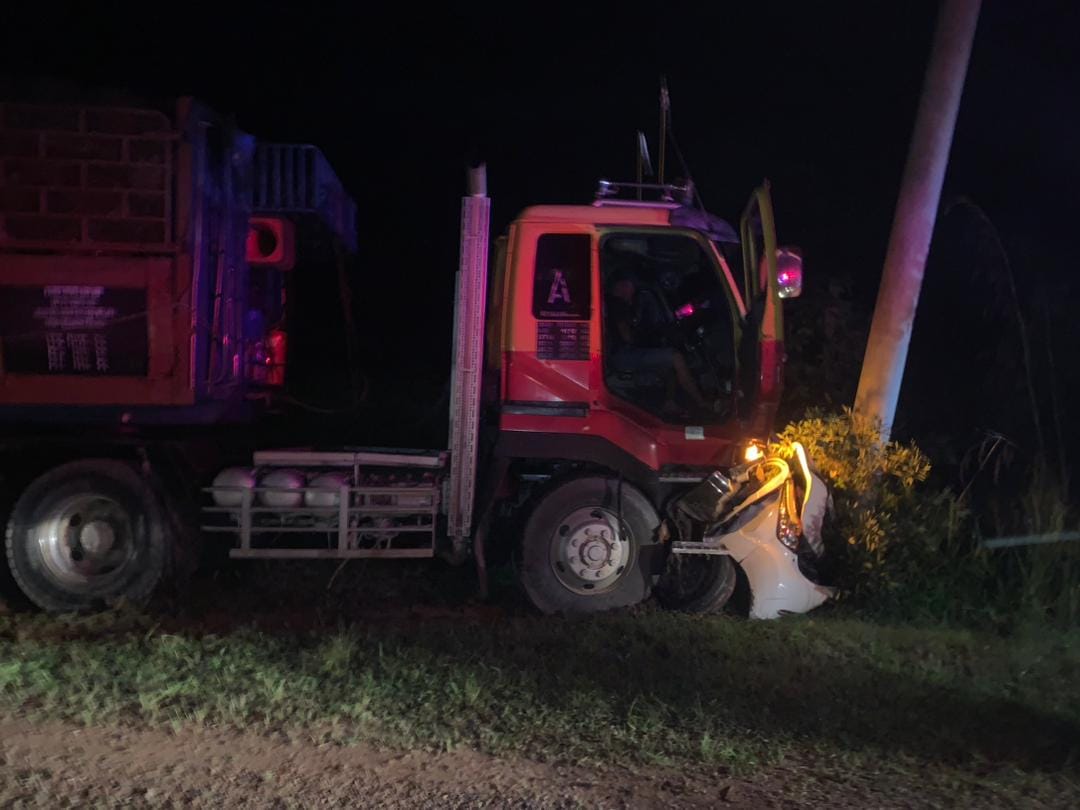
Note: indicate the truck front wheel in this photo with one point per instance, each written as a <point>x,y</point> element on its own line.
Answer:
<point>85,535</point>
<point>589,545</point>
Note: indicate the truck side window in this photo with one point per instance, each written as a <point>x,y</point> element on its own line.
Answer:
<point>561,288</point>
<point>669,336</point>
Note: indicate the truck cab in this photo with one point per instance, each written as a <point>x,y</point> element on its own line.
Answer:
<point>566,280</point>
<point>633,347</point>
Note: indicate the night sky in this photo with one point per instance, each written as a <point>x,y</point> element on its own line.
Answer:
<point>819,98</point>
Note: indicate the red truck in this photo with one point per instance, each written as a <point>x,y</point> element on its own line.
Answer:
<point>612,379</point>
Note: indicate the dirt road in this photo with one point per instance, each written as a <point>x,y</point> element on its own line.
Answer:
<point>54,764</point>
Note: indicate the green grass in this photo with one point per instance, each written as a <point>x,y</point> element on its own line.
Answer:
<point>404,660</point>
<point>648,688</point>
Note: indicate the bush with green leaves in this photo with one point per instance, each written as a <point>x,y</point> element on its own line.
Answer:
<point>895,546</point>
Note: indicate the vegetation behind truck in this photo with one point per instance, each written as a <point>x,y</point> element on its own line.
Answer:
<point>148,261</point>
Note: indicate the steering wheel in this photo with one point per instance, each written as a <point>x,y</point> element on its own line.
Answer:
<point>692,324</point>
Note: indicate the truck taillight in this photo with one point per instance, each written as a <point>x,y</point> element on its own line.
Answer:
<point>271,243</point>
<point>267,358</point>
<point>278,341</point>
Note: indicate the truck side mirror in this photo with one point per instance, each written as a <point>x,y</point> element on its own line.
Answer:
<point>789,275</point>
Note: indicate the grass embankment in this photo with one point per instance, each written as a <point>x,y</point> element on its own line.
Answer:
<point>822,692</point>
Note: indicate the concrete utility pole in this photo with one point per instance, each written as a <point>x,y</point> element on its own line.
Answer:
<point>916,211</point>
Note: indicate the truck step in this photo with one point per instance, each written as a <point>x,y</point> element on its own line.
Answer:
<point>706,547</point>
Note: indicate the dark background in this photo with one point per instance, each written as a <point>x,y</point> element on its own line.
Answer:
<point>819,98</point>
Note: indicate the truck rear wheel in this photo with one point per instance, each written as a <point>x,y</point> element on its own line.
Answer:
<point>86,535</point>
<point>588,546</point>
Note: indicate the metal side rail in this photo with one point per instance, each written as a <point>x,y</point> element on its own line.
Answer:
<point>292,178</point>
<point>365,522</point>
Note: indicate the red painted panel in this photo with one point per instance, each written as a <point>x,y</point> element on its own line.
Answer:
<point>167,319</point>
<point>641,434</point>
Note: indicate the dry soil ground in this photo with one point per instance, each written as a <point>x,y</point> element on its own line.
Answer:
<point>53,764</point>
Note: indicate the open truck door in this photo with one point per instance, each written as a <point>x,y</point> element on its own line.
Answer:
<point>771,273</point>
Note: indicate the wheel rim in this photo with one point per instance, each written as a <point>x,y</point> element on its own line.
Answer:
<point>590,551</point>
<point>86,542</point>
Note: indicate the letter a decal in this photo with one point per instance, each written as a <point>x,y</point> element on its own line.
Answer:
<point>559,290</point>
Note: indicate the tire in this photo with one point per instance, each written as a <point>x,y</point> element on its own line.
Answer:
<point>86,535</point>
<point>697,584</point>
<point>616,569</point>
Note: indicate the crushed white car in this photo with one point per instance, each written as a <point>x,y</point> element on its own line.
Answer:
<point>765,516</point>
